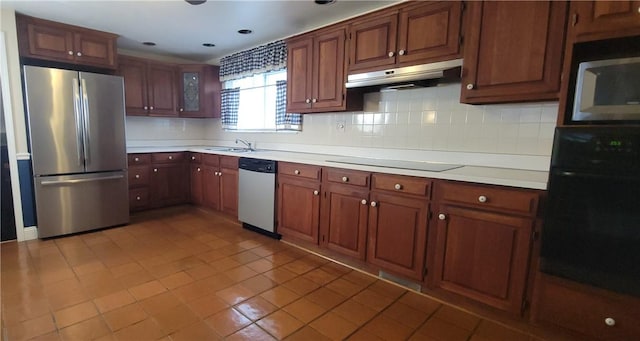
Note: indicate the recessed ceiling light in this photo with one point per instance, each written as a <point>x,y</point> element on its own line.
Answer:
<point>324,2</point>
<point>208,44</point>
<point>195,2</point>
<point>244,31</point>
<point>149,43</point>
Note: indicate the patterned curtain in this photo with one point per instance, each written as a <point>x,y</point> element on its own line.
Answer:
<point>269,57</point>
<point>285,120</point>
<point>230,102</point>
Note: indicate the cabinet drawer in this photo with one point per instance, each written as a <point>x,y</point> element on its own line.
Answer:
<point>211,159</point>
<point>401,184</point>
<point>230,162</point>
<point>138,198</point>
<point>347,177</point>
<point>299,170</point>
<point>139,159</point>
<point>581,309</point>
<point>512,200</point>
<point>167,157</point>
<point>138,176</point>
<point>195,157</point>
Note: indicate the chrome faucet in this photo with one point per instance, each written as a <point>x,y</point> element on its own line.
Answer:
<point>248,144</point>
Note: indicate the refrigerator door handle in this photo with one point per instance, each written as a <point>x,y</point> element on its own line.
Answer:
<point>77,181</point>
<point>78,120</point>
<point>87,126</point>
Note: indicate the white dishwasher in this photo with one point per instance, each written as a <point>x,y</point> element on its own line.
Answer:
<point>257,194</point>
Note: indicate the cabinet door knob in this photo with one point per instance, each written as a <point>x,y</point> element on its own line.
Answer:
<point>137,176</point>
<point>193,158</point>
<point>397,186</point>
<point>470,86</point>
<point>308,100</point>
<point>345,179</point>
<point>219,173</point>
<point>316,192</point>
<point>374,204</point>
<point>314,100</point>
<point>146,107</point>
<point>401,52</point>
<point>610,322</point>
<point>296,172</point>
<point>70,53</point>
<point>198,169</point>
<point>170,157</point>
<point>150,108</point>
<point>364,202</point>
<point>138,198</point>
<point>482,198</point>
<point>136,159</point>
<point>79,54</point>
<point>391,54</point>
<point>181,109</point>
<point>441,216</point>
<point>155,170</point>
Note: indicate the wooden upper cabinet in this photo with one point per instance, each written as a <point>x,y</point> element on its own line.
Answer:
<point>316,72</point>
<point>150,87</point>
<point>417,33</point>
<point>513,51</point>
<point>48,40</point>
<point>198,91</point>
<point>605,19</point>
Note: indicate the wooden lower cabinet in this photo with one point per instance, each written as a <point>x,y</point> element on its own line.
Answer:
<point>168,184</point>
<point>210,187</point>
<point>229,189</point>
<point>482,255</point>
<point>219,183</point>
<point>397,234</point>
<point>298,208</point>
<point>196,183</point>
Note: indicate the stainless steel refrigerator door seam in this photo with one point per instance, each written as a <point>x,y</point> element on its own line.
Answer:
<point>78,121</point>
<point>77,181</point>
<point>87,126</point>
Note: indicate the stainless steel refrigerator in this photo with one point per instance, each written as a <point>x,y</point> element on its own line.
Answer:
<point>78,149</point>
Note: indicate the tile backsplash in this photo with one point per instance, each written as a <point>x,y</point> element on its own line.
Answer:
<point>429,119</point>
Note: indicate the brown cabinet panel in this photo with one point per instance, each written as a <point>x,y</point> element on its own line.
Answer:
<point>211,187</point>
<point>138,176</point>
<point>611,18</point>
<point>429,32</point>
<point>299,170</point>
<point>134,72</point>
<point>196,184</point>
<point>150,87</point>
<point>229,190</point>
<point>169,157</point>
<point>195,157</point>
<point>490,197</point>
<point>299,74</point>
<point>344,220</point>
<point>53,42</point>
<point>373,42</point>
<point>298,208</point>
<point>347,177</point>
<point>138,199</point>
<point>95,49</point>
<point>138,159</point>
<point>328,72</point>
<point>211,159</point>
<point>161,84</point>
<point>168,184</point>
<point>397,234</point>
<point>513,51</point>
<point>483,256</point>
<point>401,184</point>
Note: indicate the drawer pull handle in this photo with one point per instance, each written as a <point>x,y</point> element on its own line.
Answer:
<point>316,192</point>
<point>345,179</point>
<point>391,54</point>
<point>610,322</point>
<point>198,169</point>
<point>146,107</point>
<point>150,108</point>
<point>442,216</point>
<point>136,159</point>
<point>308,100</point>
<point>374,204</point>
<point>193,158</point>
<point>137,176</point>
<point>296,172</point>
<point>70,53</point>
<point>170,157</point>
<point>155,170</point>
<point>482,198</point>
<point>79,54</point>
<point>364,202</point>
<point>398,186</point>
<point>138,198</point>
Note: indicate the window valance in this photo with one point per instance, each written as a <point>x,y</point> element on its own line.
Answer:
<point>269,57</point>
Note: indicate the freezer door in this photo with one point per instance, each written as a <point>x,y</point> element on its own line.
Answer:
<point>103,116</point>
<point>55,122</point>
<point>76,203</point>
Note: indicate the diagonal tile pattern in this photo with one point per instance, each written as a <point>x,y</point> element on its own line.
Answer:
<point>188,274</point>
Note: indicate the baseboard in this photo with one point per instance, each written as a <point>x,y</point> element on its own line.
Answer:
<point>30,233</point>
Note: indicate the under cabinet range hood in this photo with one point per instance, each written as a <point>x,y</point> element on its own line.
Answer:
<point>407,76</point>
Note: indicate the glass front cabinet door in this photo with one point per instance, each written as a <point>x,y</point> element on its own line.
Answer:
<point>199,86</point>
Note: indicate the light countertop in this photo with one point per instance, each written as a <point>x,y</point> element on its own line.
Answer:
<point>532,179</point>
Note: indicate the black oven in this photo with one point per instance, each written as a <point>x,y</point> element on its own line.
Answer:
<point>592,225</point>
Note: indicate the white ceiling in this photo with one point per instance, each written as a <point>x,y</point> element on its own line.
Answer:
<point>179,29</point>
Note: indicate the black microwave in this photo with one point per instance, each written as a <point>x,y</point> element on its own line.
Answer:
<point>608,90</point>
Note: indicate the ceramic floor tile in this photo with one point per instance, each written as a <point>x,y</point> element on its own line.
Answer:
<point>301,285</point>
<point>251,332</point>
<point>227,322</point>
<point>280,296</point>
<point>258,284</point>
<point>334,326</point>
<point>155,304</point>
<point>388,329</point>
<point>260,265</point>
<point>31,328</point>
<point>344,287</point>
<point>307,334</point>
<point>387,289</point>
<point>175,280</point>
<point>280,324</point>
<point>493,331</point>
<point>256,308</point>
<point>325,297</point>
<point>113,301</point>
<point>144,330</point>
<point>457,317</point>
<point>280,275</point>
<point>420,302</point>
<point>372,299</point>
<point>355,312</point>
<point>173,319</point>
<point>443,331</point>
<point>53,336</point>
<point>146,290</point>
<point>207,305</point>
<point>363,335</point>
<point>74,314</point>
<point>235,294</point>
<point>405,314</point>
<point>196,331</point>
<point>125,316</point>
<point>86,330</point>
<point>304,310</point>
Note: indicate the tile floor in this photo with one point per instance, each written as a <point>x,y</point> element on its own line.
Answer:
<point>186,274</point>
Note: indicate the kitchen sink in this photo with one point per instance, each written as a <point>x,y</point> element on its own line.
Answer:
<point>233,150</point>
